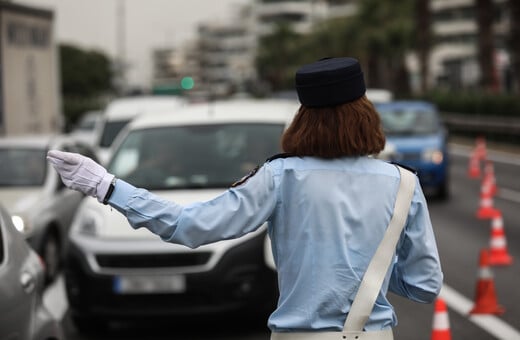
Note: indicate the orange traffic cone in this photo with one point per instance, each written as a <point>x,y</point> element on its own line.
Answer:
<point>486,209</point>
<point>480,148</point>
<point>485,297</point>
<point>489,180</point>
<point>474,165</point>
<point>498,254</point>
<point>441,321</point>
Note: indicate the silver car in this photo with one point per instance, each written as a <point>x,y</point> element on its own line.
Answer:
<point>22,313</point>
<point>42,207</point>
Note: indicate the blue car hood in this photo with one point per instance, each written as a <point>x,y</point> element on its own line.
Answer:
<point>416,143</point>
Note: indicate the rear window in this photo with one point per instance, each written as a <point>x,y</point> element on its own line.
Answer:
<point>22,166</point>
<point>198,156</point>
<point>110,131</point>
<point>408,121</point>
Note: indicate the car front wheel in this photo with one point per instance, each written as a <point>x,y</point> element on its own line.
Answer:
<point>51,256</point>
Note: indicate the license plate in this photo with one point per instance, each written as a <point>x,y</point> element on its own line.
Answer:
<point>136,284</point>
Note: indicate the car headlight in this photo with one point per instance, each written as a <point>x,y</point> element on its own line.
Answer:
<point>86,223</point>
<point>21,223</point>
<point>434,156</point>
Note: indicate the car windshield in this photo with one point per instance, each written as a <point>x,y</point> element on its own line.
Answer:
<point>110,131</point>
<point>408,121</point>
<point>196,156</point>
<point>22,166</point>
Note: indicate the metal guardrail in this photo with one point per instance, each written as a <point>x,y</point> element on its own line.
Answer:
<point>480,124</point>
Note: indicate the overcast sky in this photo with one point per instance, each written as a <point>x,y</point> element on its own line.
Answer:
<point>149,24</point>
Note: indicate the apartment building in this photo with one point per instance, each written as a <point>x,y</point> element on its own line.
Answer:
<point>227,50</point>
<point>223,58</point>
<point>454,60</point>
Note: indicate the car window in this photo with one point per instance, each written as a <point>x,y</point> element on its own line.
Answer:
<point>85,150</point>
<point>22,166</point>
<point>110,132</point>
<point>409,121</point>
<point>198,156</point>
<point>88,122</point>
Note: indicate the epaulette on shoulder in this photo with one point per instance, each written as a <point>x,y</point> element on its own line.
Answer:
<point>280,155</point>
<point>412,170</point>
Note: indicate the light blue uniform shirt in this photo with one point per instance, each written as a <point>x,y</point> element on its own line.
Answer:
<point>326,219</point>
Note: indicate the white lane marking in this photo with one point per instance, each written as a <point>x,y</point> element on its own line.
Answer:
<point>490,323</point>
<point>509,194</point>
<point>495,156</point>
<point>492,155</point>
<point>55,299</point>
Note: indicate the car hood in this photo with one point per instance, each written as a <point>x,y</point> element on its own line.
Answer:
<point>20,200</point>
<point>414,143</point>
<point>112,224</point>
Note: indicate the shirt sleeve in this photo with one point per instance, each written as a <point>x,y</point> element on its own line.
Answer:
<point>417,272</point>
<point>234,213</point>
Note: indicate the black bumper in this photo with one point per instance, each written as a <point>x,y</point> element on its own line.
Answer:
<point>240,281</point>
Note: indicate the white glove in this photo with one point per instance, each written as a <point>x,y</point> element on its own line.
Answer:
<point>81,173</point>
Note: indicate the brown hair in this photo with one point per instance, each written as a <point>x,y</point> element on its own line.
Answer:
<point>350,129</point>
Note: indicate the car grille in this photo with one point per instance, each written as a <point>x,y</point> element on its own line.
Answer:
<point>153,260</point>
<point>405,157</point>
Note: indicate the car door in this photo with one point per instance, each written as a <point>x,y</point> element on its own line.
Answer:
<point>18,284</point>
<point>65,201</point>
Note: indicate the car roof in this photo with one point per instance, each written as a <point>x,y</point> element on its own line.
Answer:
<point>41,141</point>
<point>236,110</point>
<point>408,104</point>
<point>376,95</point>
<point>128,107</point>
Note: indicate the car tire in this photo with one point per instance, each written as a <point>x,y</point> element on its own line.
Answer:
<point>50,253</point>
<point>443,191</point>
<point>89,325</point>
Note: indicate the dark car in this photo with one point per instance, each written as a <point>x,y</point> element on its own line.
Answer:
<point>417,138</point>
<point>22,312</point>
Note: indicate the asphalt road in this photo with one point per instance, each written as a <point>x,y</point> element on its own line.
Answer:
<point>460,237</point>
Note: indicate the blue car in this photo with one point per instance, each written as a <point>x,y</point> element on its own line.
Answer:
<point>416,137</point>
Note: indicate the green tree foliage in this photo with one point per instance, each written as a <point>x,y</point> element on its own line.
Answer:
<point>379,36</point>
<point>86,78</point>
<point>278,56</point>
<point>84,73</point>
<point>514,46</point>
<point>384,34</point>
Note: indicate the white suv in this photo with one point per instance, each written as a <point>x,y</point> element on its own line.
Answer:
<point>114,272</point>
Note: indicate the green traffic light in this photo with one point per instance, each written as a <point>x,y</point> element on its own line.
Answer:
<point>187,83</point>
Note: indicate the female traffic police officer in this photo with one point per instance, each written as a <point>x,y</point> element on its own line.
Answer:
<point>327,203</point>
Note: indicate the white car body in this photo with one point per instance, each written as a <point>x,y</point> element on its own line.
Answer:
<point>101,238</point>
<point>42,209</point>
<point>379,95</point>
<point>123,110</point>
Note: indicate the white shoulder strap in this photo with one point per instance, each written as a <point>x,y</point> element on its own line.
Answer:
<point>378,266</point>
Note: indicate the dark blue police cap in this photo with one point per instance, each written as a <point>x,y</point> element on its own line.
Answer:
<point>330,82</point>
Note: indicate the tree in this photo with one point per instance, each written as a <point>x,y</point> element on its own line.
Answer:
<point>86,77</point>
<point>423,40</point>
<point>379,35</point>
<point>84,73</point>
<point>514,38</point>
<point>385,32</point>
<point>486,50</point>
<point>277,58</point>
